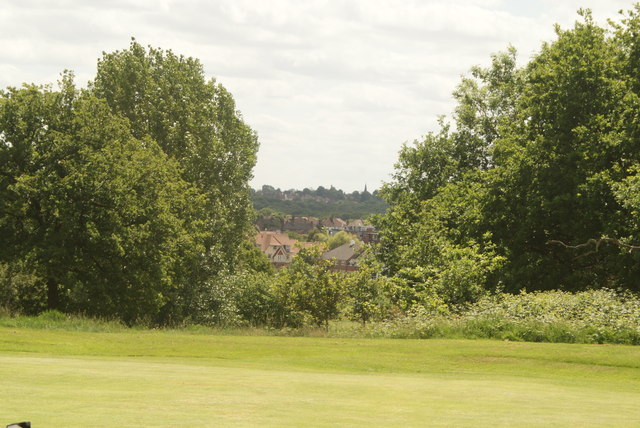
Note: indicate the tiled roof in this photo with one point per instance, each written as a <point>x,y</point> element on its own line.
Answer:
<point>344,252</point>
<point>266,239</point>
<point>334,222</point>
<point>301,246</point>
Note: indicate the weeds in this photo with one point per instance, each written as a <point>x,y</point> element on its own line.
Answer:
<point>55,320</point>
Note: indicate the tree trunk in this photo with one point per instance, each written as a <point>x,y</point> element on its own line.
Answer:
<point>53,294</point>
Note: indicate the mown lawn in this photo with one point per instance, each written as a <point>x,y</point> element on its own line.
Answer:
<point>170,378</point>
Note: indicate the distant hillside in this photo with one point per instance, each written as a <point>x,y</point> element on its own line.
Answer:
<point>321,202</point>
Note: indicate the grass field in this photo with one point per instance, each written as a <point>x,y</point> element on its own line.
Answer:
<point>171,378</point>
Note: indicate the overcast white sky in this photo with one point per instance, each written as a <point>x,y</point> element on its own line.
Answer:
<point>333,87</point>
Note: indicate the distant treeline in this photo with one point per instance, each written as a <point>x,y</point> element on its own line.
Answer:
<point>321,202</point>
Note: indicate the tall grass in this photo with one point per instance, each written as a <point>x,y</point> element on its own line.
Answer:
<point>55,320</point>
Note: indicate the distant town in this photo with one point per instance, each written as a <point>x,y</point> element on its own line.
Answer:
<point>277,238</point>
<point>291,220</point>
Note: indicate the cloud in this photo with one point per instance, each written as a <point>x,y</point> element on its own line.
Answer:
<point>333,87</point>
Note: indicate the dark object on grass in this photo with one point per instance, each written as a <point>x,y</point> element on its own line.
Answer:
<point>20,425</point>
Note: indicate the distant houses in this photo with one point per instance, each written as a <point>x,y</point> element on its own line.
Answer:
<point>280,249</point>
<point>304,225</point>
<point>365,232</point>
<point>299,224</point>
<point>333,225</point>
<point>345,256</point>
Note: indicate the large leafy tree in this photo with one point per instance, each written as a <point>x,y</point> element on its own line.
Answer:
<point>127,198</point>
<point>167,98</point>
<point>536,156</point>
<point>104,217</point>
<point>557,160</point>
<point>433,235</point>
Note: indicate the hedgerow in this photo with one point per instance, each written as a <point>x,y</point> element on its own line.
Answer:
<point>594,316</point>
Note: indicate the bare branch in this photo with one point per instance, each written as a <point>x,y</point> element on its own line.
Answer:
<point>596,243</point>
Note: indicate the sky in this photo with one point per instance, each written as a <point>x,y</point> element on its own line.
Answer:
<point>333,88</point>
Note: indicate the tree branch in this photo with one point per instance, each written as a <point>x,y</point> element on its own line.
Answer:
<point>596,243</point>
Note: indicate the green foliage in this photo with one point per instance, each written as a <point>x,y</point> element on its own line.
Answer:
<point>106,220</point>
<point>596,316</point>
<point>321,203</point>
<point>556,159</point>
<point>595,309</point>
<point>296,236</point>
<point>166,98</point>
<point>251,259</point>
<point>316,235</point>
<point>213,303</point>
<point>341,238</point>
<point>302,294</point>
<point>107,196</point>
<point>307,291</point>
<point>434,256</point>
<point>368,294</point>
<point>546,152</point>
<point>486,101</point>
<point>21,291</point>
<point>255,301</point>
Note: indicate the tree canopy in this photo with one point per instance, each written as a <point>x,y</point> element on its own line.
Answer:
<point>321,202</point>
<point>124,197</point>
<point>535,154</point>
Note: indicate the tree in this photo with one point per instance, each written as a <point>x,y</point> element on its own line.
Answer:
<point>341,238</point>
<point>251,259</point>
<point>104,217</point>
<point>367,292</point>
<point>166,98</point>
<point>546,152</point>
<point>131,197</point>
<point>448,159</point>
<point>556,161</point>
<point>486,101</point>
<point>307,290</point>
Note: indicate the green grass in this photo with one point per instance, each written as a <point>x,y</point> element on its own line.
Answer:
<point>61,378</point>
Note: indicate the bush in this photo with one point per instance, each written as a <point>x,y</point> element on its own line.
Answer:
<point>595,316</point>
<point>367,296</point>
<point>214,303</point>
<point>20,290</point>
<point>601,310</point>
<point>254,300</point>
<point>307,292</point>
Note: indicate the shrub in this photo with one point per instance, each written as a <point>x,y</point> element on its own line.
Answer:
<point>367,296</point>
<point>307,292</point>
<point>20,290</point>
<point>601,310</point>
<point>214,302</point>
<point>595,316</point>
<point>254,301</point>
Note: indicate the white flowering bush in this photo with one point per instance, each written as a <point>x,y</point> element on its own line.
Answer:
<point>600,310</point>
<point>594,316</point>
